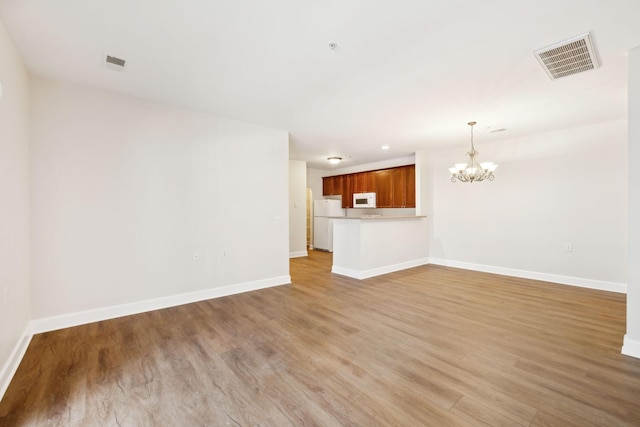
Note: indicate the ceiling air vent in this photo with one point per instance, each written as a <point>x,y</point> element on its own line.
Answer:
<point>568,57</point>
<point>114,63</point>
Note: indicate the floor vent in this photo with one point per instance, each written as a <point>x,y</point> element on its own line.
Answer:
<point>568,57</point>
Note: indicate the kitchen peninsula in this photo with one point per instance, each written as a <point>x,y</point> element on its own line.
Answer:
<point>371,245</point>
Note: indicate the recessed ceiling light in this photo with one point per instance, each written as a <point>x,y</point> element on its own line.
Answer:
<point>334,160</point>
<point>385,147</point>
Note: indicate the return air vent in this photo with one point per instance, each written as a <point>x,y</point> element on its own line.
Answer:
<point>568,57</point>
<point>114,63</point>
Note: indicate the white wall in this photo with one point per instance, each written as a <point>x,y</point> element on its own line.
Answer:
<point>550,189</point>
<point>423,184</point>
<point>126,192</point>
<point>632,338</point>
<point>314,182</point>
<point>297,208</point>
<point>15,304</point>
<point>366,248</point>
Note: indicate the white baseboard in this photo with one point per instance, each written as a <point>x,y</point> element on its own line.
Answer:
<point>80,318</point>
<point>298,254</point>
<point>631,347</point>
<point>365,274</point>
<point>546,277</point>
<point>9,369</point>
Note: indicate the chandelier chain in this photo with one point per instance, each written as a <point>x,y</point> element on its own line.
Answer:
<point>473,149</point>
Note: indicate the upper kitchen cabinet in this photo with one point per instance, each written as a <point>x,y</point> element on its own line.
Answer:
<point>394,187</point>
<point>348,182</point>
<point>384,188</point>
<point>364,182</point>
<point>332,185</point>
<point>411,186</point>
<point>403,187</point>
<point>398,187</point>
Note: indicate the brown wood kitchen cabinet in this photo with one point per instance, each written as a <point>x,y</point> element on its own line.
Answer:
<point>327,185</point>
<point>411,186</point>
<point>383,188</point>
<point>347,190</point>
<point>364,182</point>
<point>403,187</point>
<point>394,187</point>
<point>332,185</point>
<point>398,187</point>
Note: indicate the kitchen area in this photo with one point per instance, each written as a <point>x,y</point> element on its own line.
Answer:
<point>368,220</point>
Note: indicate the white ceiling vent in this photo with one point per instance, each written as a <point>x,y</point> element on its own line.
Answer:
<point>568,57</point>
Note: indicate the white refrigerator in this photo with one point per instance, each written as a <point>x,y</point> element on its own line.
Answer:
<point>323,210</point>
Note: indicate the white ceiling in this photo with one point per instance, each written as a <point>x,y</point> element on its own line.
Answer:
<point>407,73</point>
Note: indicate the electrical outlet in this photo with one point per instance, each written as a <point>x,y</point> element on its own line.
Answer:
<point>568,247</point>
<point>225,253</point>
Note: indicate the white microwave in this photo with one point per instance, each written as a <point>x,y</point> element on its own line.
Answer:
<point>364,200</point>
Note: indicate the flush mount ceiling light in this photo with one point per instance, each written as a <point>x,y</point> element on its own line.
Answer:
<point>385,147</point>
<point>334,160</point>
<point>472,170</point>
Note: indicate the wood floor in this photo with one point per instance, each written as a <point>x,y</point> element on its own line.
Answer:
<point>430,346</point>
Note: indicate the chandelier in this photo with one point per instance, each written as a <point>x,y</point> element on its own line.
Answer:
<point>472,170</point>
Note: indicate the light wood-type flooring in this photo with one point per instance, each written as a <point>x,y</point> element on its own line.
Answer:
<point>429,346</point>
